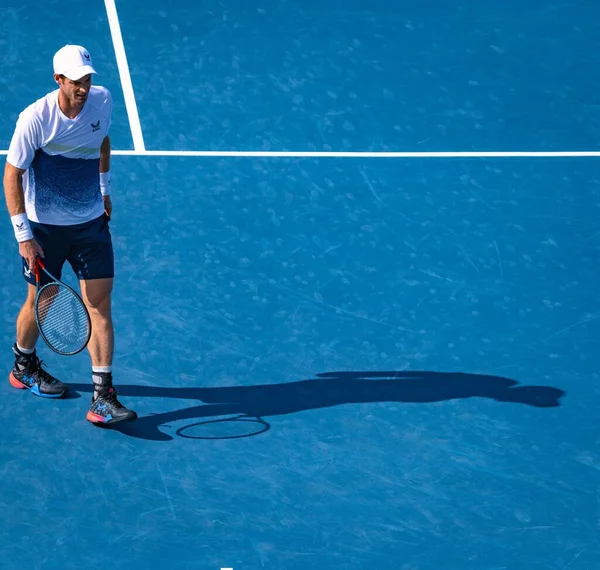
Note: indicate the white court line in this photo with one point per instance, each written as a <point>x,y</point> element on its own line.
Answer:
<point>333,154</point>
<point>119,46</point>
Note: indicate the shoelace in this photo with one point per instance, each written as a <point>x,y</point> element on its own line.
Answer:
<point>45,376</point>
<point>111,398</point>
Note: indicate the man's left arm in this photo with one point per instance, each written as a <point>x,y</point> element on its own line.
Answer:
<point>105,175</point>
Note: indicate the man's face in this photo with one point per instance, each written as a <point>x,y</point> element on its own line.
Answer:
<point>75,91</point>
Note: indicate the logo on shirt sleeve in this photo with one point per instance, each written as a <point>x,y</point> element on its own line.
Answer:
<point>96,127</point>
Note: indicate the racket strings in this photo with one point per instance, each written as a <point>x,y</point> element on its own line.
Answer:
<point>62,318</point>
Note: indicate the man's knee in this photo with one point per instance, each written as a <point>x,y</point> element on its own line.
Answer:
<point>97,294</point>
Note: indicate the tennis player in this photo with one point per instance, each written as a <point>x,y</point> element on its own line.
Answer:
<point>57,189</point>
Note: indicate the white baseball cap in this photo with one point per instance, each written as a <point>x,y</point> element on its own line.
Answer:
<point>73,62</point>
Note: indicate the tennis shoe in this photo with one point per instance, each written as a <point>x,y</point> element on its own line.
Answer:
<point>106,408</point>
<point>27,373</point>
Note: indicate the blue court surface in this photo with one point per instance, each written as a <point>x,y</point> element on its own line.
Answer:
<point>341,363</point>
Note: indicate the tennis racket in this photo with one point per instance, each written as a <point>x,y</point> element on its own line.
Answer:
<point>61,315</point>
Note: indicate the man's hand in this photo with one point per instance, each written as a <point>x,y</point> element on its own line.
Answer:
<point>30,249</point>
<point>107,205</point>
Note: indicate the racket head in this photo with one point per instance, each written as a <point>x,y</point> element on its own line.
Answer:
<point>61,317</point>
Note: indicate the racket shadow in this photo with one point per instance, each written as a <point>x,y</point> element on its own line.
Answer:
<point>327,390</point>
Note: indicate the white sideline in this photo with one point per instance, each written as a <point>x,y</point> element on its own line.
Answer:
<point>130,104</point>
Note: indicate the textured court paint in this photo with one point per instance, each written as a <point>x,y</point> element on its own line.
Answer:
<point>246,289</point>
<point>464,291</point>
<point>321,76</point>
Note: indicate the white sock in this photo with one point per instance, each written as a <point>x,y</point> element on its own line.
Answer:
<point>101,368</point>
<point>25,350</point>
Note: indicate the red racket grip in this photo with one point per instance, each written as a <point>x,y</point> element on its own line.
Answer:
<point>38,263</point>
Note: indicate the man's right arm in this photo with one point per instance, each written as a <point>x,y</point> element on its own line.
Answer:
<point>26,139</point>
<point>15,203</point>
<point>13,189</point>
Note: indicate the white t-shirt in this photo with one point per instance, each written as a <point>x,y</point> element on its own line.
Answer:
<point>62,158</point>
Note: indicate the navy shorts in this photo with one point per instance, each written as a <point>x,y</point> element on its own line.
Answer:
<point>87,247</point>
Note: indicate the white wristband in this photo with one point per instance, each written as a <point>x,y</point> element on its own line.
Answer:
<point>105,183</point>
<point>21,227</point>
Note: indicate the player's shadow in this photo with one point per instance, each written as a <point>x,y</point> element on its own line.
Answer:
<point>328,389</point>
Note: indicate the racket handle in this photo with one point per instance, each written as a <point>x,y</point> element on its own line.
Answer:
<point>38,263</point>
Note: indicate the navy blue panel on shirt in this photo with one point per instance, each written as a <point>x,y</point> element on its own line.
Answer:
<point>65,184</point>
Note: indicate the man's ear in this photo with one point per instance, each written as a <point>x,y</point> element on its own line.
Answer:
<point>58,78</point>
